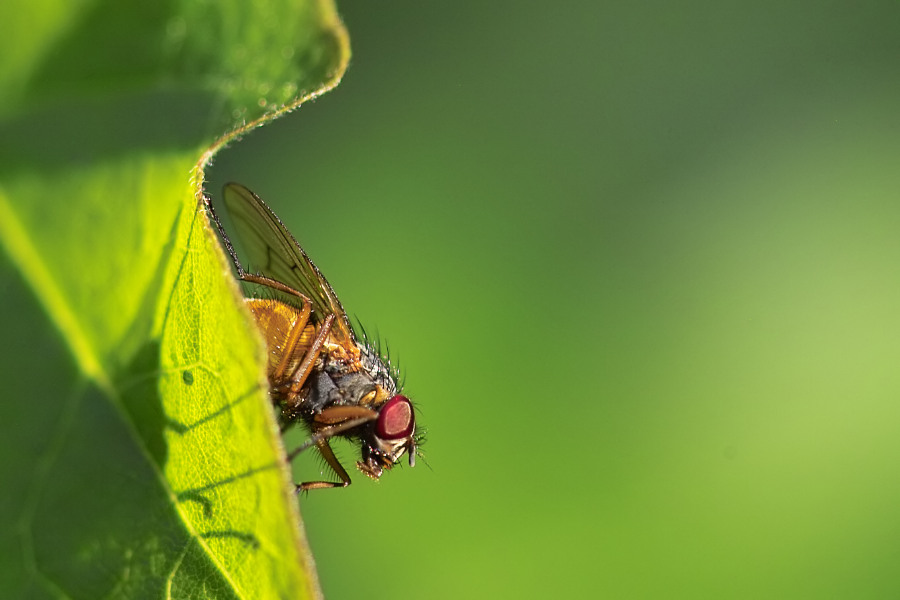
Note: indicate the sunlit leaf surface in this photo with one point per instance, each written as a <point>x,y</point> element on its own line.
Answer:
<point>140,455</point>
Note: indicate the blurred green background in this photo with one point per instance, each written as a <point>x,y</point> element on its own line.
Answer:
<point>641,265</point>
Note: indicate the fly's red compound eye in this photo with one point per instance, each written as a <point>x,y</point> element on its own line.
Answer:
<point>396,419</point>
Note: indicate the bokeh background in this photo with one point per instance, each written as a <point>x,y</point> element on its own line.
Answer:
<point>641,265</point>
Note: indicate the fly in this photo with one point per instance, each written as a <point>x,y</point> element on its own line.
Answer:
<point>321,374</point>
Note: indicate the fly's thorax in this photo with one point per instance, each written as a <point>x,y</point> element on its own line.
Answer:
<point>378,369</point>
<point>336,381</point>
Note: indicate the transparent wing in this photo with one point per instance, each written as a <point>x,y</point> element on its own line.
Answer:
<point>274,253</point>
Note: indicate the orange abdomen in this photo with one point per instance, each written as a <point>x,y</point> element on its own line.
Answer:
<point>277,321</point>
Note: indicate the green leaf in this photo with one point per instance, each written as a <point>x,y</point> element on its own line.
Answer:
<point>141,457</point>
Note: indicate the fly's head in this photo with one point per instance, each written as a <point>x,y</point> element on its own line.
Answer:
<point>393,433</point>
<point>389,437</point>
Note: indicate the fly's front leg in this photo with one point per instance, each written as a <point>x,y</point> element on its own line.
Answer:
<point>330,422</point>
<point>328,454</point>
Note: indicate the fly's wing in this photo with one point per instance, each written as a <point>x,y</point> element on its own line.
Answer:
<point>271,249</point>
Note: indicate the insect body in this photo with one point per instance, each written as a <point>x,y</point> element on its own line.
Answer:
<point>320,373</point>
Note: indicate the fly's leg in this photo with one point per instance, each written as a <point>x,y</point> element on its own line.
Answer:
<point>334,421</point>
<point>331,422</point>
<point>298,377</point>
<point>275,285</point>
<point>328,454</point>
<point>291,342</point>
